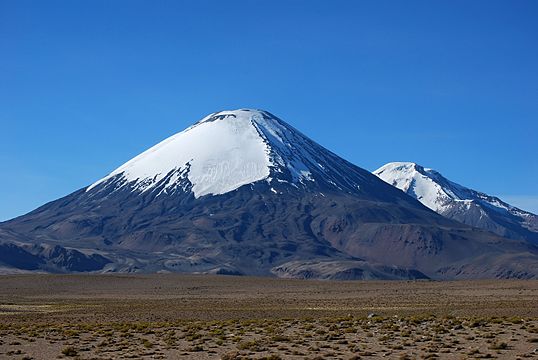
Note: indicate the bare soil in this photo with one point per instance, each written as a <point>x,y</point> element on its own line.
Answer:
<point>223,317</point>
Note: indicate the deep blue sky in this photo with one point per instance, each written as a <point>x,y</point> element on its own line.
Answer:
<point>86,85</point>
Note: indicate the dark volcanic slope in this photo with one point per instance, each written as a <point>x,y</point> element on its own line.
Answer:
<point>310,215</point>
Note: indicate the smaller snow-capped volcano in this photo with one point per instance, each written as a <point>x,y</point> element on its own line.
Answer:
<point>458,202</point>
<point>229,149</point>
<point>425,185</point>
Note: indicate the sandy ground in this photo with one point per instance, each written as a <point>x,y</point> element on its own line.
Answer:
<point>220,317</point>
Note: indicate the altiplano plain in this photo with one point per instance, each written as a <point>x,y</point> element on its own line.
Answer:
<point>224,317</point>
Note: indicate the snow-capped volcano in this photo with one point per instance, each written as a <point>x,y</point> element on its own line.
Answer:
<point>243,192</point>
<point>229,149</point>
<point>458,202</point>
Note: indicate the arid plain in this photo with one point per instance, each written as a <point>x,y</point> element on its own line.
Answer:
<point>223,317</point>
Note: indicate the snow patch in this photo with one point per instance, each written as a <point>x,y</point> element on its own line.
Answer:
<point>221,156</point>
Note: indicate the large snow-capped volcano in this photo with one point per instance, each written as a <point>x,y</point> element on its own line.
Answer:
<point>228,149</point>
<point>243,192</point>
<point>458,202</point>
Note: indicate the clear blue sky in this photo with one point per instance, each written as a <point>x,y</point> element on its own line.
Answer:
<point>86,85</point>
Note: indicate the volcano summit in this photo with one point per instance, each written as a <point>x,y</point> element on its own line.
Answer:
<point>243,192</point>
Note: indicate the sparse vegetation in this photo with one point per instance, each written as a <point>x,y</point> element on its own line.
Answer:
<point>69,351</point>
<point>499,346</point>
<point>97,328</point>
